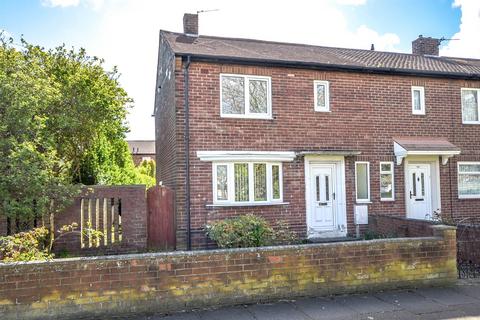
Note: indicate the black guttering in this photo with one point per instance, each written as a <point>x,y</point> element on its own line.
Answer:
<point>330,67</point>
<point>187,151</point>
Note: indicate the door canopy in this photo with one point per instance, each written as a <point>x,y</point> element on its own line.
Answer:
<point>424,146</point>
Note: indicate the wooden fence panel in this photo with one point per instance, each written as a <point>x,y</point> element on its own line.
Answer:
<point>161,218</point>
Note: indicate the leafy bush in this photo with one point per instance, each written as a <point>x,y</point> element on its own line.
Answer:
<point>283,233</point>
<point>26,246</point>
<point>249,231</point>
<point>37,243</point>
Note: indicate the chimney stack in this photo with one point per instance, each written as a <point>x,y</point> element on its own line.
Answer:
<point>190,24</point>
<point>425,46</point>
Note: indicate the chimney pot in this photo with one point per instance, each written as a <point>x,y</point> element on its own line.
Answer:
<point>190,24</point>
<point>425,46</point>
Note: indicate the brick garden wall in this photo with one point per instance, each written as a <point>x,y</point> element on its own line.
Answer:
<point>165,282</point>
<point>468,235</point>
<point>134,221</point>
<point>399,226</point>
<point>367,111</point>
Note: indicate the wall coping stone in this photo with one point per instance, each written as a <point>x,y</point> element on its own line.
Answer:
<point>276,249</point>
<point>443,227</point>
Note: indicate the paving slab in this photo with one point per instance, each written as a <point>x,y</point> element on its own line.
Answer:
<point>367,304</point>
<point>468,290</point>
<point>446,296</point>
<point>230,313</point>
<point>277,311</point>
<point>393,315</point>
<point>411,301</point>
<point>324,308</point>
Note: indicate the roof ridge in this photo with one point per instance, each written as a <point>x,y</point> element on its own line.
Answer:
<point>315,46</point>
<point>282,42</point>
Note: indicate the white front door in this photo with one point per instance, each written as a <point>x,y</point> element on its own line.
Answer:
<point>322,197</point>
<point>419,191</point>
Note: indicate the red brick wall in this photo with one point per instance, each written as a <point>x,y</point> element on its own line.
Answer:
<point>367,111</point>
<point>134,221</point>
<point>399,226</point>
<point>164,282</point>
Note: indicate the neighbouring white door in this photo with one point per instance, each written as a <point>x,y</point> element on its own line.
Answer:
<point>419,192</point>
<point>322,198</point>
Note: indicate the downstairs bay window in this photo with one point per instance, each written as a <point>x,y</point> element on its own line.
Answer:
<point>247,183</point>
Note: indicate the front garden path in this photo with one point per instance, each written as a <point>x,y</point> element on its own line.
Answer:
<point>459,302</point>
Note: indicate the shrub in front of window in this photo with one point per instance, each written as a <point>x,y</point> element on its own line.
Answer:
<point>249,231</point>
<point>241,232</point>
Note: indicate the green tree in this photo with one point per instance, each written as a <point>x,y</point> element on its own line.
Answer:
<point>62,122</point>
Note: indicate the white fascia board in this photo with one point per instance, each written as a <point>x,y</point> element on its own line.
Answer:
<point>274,156</point>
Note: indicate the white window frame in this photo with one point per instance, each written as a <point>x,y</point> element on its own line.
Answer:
<point>469,196</point>
<point>318,108</point>
<point>368,182</point>
<point>391,172</point>
<point>248,114</point>
<point>478,104</point>
<point>422,100</point>
<point>231,183</point>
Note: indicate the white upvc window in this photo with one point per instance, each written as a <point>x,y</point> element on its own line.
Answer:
<point>248,183</point>
<point>244,96</point>
<point>362,181</point>
<point>470,106</point>
<point>418,100</point>
<point>387,182</point>
<point>321,94</point>
<point>469,179</point>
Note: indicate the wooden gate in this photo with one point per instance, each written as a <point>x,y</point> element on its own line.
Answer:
<point>161,218</point>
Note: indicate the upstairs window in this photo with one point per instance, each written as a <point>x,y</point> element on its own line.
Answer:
<point>245,96</point>
<point>247,183</point>
<point>362,181</point>
<point>418,100</point>
<point>470,106</point>
<point>321,95</point>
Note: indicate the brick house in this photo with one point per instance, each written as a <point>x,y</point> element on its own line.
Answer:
<point>314,135</point>
<point>142,150</point>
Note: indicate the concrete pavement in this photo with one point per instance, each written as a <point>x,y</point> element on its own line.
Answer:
<point>459,302</point>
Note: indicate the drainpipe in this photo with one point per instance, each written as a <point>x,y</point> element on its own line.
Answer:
<point>187,152</point>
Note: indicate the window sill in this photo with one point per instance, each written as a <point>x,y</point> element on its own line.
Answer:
<point>320,110</point>
<point>251,117</point>
<point>469,197</point>
<point>214,205</point>
<point>363,202</point>
<point>471,122</point>
<point>387,200</point>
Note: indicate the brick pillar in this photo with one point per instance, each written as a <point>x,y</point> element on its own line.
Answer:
<point>449,235</point>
